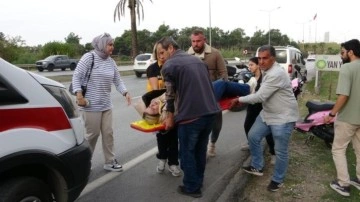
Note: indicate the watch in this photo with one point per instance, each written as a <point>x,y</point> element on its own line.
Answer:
<point>331,115</point>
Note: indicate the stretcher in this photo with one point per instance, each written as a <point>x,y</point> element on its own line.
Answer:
<point>142,126</point>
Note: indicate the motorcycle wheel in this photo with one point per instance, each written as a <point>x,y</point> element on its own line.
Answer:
<point>328,144</point>
<point>324,132</point>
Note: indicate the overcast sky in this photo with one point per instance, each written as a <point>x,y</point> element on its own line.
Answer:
<point>42,21</point>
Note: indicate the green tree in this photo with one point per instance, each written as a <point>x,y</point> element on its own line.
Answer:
<point>278,39</point>
<point>122,45</point>
<point>58,48</point>
<point>88,47</point>
<point>236,38</point>
<point>72,38</point>
<point>11,47</point>
<point>145,41</point>
<point>216,34</point>
<point>258,39</point>
<point>322,47</point>
<point>184,40</point>
<point>134,6</point>
<point>314,47</point>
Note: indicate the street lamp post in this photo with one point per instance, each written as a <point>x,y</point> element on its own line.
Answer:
<point>269,12</point>
<point>210,22</point>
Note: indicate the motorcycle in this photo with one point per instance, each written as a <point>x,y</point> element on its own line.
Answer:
<point>314,122</point>
<point>297,83</point>
<point>239,73</point>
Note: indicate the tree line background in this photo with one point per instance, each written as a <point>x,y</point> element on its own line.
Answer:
<point>230,43</point>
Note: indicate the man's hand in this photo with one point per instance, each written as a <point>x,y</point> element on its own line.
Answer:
<point>169,121</point>
<point>234,102</point>
<point>328,118</point>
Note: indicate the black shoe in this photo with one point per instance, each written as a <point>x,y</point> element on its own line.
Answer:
<point>274,186</point>
<point>355,182</point>
<point>254,171</point>
<point>195,194</point>
<point>343,190</point>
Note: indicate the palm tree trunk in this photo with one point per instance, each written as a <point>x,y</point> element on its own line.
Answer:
<point>134,41</point>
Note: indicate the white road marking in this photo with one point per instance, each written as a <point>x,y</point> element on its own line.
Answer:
<point>111,175</point>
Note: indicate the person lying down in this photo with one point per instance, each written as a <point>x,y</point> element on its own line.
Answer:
<point>152,105</point>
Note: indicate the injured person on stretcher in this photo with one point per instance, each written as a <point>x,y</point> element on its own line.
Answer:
<point>152,106</point>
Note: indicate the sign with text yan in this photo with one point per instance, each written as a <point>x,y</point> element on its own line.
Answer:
<point>328,62</point>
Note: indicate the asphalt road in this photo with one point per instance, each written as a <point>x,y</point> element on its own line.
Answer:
<point>136,151</point>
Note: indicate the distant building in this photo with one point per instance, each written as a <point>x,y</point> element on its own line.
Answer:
<point>327,37</point>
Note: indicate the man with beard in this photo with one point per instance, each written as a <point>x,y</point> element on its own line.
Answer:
<point>347,124</point>
<point>217,70</point>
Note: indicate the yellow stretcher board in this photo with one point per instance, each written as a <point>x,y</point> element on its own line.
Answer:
<point>142,126</point>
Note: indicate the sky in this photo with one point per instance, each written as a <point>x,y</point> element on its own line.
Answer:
<point>42,21</point>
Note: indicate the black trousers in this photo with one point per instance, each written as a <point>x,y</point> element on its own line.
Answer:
<point>168,146</point>
<point>216,128</point>
<point>252,112</point>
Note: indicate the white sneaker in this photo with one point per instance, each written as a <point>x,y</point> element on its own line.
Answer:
<point>245,147</point>
<point>211,150</point>
<point>273,159</point>
<point>161,166</point>
<point>174,170</point>
<point>113,166</point>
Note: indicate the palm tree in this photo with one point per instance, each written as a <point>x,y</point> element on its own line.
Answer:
<point>134,6</point>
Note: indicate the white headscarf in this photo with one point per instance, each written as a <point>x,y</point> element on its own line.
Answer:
<point>100,42</point>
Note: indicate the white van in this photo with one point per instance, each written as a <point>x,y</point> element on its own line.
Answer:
<point>288,57</point>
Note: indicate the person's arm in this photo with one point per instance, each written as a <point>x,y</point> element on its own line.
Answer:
<point>120,85</point>
<point>343,92</point>
<point>154,83</point>
<point>79,75</point>
<point>340,102</point>
<point>169,97</point>
<point>267,89</point>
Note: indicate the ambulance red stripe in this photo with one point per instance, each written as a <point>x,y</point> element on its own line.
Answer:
<point>48,119</point>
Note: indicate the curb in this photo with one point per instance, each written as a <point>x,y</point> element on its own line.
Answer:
<point>233,191</point>
<point>225,187</point>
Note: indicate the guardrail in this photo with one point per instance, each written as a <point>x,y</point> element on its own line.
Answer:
<point>33,66</point>
<point>26,66</point>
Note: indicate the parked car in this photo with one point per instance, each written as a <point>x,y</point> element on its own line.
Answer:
<point>43,153</point>
<point>56,62</point>
<point>288,57</point>
<point>142,62</point>
<point>311,58</point>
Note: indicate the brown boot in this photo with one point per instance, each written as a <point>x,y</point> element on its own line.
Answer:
<point>211,150</point>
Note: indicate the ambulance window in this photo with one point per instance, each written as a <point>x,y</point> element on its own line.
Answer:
<point>9,95</point>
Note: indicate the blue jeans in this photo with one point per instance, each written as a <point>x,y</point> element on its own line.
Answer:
<point>223,89</point>
<point>193,139</point>
<point>281,134</point>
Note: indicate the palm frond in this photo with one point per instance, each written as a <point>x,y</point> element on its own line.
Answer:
<point>119,9</point>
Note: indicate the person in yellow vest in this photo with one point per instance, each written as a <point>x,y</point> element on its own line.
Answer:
<point>167,141</point>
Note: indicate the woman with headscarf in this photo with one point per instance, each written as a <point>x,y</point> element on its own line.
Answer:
<point>98,71</point>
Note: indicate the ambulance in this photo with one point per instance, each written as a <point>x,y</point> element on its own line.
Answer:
<point>43,153</point>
